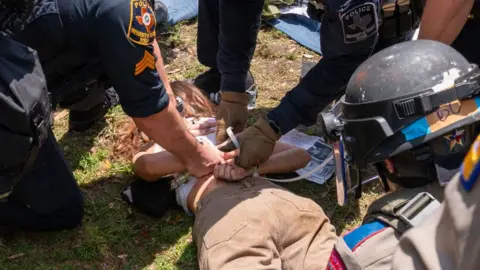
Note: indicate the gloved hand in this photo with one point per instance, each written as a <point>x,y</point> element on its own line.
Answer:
<point>256,144</point>
<point>232,112</point>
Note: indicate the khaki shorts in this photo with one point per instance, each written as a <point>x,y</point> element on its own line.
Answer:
<point>255,224</point>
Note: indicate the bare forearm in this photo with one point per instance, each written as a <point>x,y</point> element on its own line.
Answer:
<point>443,20</point>
<point>152,166</point>
<point>161,70</point>
<point>284,162</point>
<point>167,129</point>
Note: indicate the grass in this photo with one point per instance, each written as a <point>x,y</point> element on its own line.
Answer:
<point>112,235</point>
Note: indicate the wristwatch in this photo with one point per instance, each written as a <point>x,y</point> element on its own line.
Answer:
<point>180,106</point>
<point>273,125</point>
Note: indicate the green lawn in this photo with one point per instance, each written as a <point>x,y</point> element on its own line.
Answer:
<point>112,235</point>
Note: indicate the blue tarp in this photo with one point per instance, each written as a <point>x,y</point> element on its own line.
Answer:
<point>300,28</point>
<point>179,10</point>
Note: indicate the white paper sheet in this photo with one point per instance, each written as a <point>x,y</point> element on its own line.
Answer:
<point>317,149</point>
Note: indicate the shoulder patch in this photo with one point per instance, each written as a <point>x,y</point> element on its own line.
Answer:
<point>470,169</point>
<point>141,29</point>
<point>147,61</point>
<point>359,22</point>
<point>335,261</point>
<point>361,234</point>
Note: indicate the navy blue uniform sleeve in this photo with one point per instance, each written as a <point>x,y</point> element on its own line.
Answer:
<point>125,31</point>
<point>349,33</point>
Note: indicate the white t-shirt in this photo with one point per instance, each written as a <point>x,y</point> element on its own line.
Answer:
<point>183,190</point>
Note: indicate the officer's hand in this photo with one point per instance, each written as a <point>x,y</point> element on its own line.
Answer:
<point>232,112</point>
<point>209,157</point>
<point>256,144</point>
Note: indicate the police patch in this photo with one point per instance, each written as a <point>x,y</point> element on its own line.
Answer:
<point>141,29</point>
<point>470,169</point>
<point>455,138</point>
<point>359,22</point>
<point>147,61</point>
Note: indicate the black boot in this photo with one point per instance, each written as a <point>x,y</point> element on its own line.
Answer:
<point>81,121</point>
<point>161,15</point>
<point>209,83</point>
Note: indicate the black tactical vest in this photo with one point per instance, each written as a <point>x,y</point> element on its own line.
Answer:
<point>24,111</point>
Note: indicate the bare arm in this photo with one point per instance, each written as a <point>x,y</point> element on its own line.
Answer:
<point>168,129</point>
<point>161,70</point>
<point>286,158</point>
<point>443,20</point>
<point>150,166</point>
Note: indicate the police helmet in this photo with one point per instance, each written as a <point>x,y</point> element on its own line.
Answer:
<point>415,103</point>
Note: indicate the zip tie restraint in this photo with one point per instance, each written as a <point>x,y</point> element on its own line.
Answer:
<point>300,177</point>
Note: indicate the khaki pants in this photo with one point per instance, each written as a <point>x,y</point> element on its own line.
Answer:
<point>255,224</point>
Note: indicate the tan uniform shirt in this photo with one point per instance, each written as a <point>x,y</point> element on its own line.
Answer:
<point>373,251</point>
<point>372,245</point>
<point>450,238</point>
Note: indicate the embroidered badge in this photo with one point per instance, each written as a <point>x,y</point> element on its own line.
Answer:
<point>360,235</point>
<point>359,22</point>
<point>148,61</point>
<point>335,262</point>
<point>141,29</point>
<point>470,170</point>
<point>454,138</point>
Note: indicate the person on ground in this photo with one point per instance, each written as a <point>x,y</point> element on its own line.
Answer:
<point>415,151</point>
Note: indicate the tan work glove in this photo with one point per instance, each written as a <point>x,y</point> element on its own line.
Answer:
<point>232,112</point>
<point>256,144</point>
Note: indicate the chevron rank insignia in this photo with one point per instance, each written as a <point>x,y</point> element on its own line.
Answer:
<point>148,61</point>
<point>470,169</point>
<point>141,29</point>
<point>359,22</point>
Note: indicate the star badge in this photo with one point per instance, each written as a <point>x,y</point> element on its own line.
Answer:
<point>145,19</point>
<point>455,138</point>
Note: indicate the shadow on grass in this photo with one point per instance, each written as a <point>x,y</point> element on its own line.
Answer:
<point>75,144</point>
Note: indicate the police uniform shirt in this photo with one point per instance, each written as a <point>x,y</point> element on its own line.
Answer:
<point>70,34</point>
<point>450,238</point>
<point>372,245</point>
<point>351,32</point>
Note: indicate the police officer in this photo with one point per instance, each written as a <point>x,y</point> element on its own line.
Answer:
<point>449,239</point>
<point>414,128</point>
<point>84,87</point>
<point>115,38</point>
<point>350,30</point>
<point>37,187</point>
